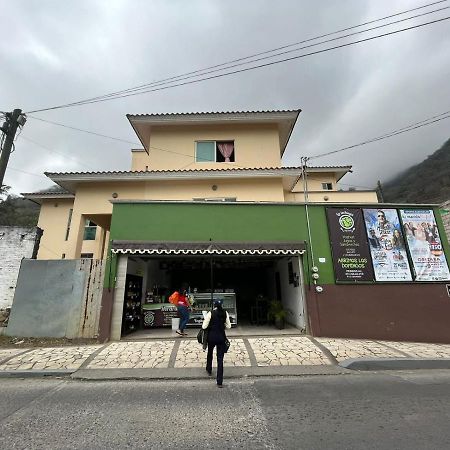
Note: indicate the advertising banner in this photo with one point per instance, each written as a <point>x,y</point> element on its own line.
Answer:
<point>351,255</point>
<point>424,243</point>
<point>387,246</point>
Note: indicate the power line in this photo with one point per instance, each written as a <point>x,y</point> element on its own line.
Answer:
<point>111,97</point>
<point>54,151</point>
<point>84,131</point>
<point>249,59</point>
<point>28,173</point>
<point>206,72</point>
<point>405,129</point>
<point>109,137</point>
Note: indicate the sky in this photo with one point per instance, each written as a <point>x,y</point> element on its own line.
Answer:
<point>55,52</point>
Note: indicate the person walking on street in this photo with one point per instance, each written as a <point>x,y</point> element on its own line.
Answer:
<point>216,322</point>
<point>183,306</point>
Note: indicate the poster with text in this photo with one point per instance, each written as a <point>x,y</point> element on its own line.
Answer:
<point>387,246</point>
<point>424,243</point>
<point>351,256</point>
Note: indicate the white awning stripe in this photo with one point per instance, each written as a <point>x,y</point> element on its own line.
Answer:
<point>292,252</point>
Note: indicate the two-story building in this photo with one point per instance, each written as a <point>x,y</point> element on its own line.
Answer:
<point>208,201</point>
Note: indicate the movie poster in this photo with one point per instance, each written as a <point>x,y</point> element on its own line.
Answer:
<point>424,243</point>
<point>351,256</point>
<point>387,246</point>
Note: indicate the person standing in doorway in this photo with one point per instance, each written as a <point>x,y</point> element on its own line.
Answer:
<point>183,306</point>
<point>216,322</point>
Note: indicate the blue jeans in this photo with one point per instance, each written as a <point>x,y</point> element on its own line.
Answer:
<point>183,312</point>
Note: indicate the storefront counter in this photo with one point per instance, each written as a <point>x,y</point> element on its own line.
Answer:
<point>161,314</point>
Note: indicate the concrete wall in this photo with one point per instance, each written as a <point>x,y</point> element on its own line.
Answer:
<point>292,296</point>
<point>57,299</point>
<point>16,243</point>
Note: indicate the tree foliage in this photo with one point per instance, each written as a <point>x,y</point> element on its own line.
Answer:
<point>17,211</point>
<point>427,182</point>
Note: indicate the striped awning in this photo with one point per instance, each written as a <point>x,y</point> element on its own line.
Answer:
<point>208,248</point>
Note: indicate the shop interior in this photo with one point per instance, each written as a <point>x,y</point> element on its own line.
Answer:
<point>247,285</point>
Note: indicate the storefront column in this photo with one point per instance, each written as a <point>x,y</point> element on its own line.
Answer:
<point>119,294</point>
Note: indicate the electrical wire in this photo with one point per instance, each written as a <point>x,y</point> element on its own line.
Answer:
<point>54,151</point>
<point>250,60</point>
<point>406,129</point>
<point>110,137</point>
<point>85,131</point>
<point>102,99</point>
<point>28,173</point>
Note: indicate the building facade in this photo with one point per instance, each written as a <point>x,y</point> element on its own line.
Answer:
<point>208,201</point>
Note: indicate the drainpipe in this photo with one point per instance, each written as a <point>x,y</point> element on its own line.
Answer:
<point>304,161</point>
<point>37,242</point>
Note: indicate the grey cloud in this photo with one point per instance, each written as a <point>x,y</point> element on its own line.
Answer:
<point>65,51</point>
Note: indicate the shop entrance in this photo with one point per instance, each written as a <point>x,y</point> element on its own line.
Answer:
<point>247,285</point>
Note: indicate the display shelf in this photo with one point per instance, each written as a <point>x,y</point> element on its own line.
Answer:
<point>131,317</point>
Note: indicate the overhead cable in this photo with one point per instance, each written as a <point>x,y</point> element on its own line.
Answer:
<point>413,126</point>
<point>140,90</point>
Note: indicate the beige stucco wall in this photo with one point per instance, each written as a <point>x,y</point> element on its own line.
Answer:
<point>53,219</point>
<point>173,147</point>
<point>315,180</point>
<point>264,189</point>
<point>334,196</point>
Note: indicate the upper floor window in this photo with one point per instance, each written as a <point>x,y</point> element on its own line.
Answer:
<point>214,151</point>
<point>327,186</point>
<point>90,228</point>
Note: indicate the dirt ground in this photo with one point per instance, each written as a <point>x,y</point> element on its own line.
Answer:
<point>15,342</point>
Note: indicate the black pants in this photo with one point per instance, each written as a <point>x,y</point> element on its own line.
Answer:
<point>220,350</point>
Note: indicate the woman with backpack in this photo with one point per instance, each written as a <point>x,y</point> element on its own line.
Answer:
<point>216,322</point>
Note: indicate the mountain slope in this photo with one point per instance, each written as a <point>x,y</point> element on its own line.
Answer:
<point>427,182</point>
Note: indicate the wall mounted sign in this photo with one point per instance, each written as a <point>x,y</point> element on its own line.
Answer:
<point>351,254</point>
<point>424,243</point>
<point>387,245</point>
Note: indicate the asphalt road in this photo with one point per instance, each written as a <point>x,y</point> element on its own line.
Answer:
<point>402,410</point>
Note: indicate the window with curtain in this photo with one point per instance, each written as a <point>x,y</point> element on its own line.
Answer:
<point>214,151</point>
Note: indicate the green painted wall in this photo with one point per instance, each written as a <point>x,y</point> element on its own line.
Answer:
<point>229,222</point>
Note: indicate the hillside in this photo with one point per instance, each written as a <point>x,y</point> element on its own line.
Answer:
<point>16,211</point>
<point>427,182</point>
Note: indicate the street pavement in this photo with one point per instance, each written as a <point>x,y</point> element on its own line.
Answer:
<point>185,358</point>
<point>389,410</point>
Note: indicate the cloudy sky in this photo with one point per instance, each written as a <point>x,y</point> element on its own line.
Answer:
<point>58,51</point>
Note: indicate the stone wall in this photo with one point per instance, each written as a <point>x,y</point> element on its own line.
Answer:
<point>16,243</point>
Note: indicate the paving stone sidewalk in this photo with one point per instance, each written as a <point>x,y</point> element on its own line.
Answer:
<point>244,352</point>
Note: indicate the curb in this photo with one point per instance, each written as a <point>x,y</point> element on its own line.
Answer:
<point>200,374</point>
<point>362,364</point>
<point>35,373</point>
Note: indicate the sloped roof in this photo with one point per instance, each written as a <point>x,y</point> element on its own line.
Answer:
<point>69,180</point>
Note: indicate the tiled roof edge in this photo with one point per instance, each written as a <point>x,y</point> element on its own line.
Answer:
<point>123,172</point>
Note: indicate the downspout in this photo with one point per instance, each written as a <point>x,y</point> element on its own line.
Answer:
<point>304,161</point>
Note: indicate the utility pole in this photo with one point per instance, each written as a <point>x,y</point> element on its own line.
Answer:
<point>9,128</point>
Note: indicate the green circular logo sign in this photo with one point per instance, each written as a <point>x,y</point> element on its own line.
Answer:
<point>346,222</point>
